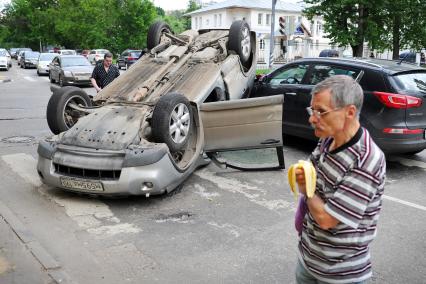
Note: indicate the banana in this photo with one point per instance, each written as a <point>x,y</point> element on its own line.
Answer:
<point>310,177</point>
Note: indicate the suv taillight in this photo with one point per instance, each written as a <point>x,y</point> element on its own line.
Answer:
<point>398,101</point>
<point>131,58</point>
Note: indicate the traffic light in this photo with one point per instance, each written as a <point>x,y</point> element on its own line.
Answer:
<point>281,21</point>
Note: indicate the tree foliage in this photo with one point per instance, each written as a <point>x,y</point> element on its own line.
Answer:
<point>384,24</point>
<point>84,24</point>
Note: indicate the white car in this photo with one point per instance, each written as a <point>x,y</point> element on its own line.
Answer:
<point>67,52</point>
<point>96,55</point>
<point>43,63</point>
<point>5,59</point>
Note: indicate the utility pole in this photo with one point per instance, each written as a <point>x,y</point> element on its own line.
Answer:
<point>272,38</point>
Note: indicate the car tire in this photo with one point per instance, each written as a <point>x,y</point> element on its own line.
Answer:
<point>171,121</point>
<point>240,40</point>
<point>58,112</point>
<point>155,32</point>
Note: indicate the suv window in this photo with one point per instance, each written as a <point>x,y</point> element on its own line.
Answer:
<point>322,72</point>
<point>291,75</point>
<point>411,82</point>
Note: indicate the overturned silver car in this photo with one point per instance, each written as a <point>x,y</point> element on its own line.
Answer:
<point>148,130</point>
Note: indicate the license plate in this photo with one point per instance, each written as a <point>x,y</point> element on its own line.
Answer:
<point>82,78</point>
<point>81,184</point>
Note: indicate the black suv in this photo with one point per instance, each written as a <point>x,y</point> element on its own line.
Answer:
<point>128,57</point>
<point>393,110</point>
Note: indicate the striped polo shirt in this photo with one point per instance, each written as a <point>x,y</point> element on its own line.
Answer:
<point>350,180</point>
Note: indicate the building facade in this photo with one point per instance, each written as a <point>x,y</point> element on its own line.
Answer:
<point>294,35</point>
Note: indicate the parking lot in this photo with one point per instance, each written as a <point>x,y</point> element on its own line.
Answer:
<point>222,226</point>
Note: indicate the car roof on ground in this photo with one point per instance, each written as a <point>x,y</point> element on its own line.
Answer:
<point>388,66</point>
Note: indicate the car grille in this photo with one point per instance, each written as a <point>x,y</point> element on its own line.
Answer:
<point>87,173</point>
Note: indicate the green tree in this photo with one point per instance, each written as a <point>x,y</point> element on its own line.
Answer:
<point>384,24</point>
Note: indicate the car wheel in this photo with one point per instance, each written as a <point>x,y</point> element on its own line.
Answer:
<point>60,116</point>
<point>155,33</point>
<point>171,121</point>
<point>240,41</point>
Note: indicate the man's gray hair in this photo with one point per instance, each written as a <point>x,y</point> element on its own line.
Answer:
<point>344,91</point>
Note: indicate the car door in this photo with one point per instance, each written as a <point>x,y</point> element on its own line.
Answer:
<point>288,81</point>
<point>242,124</point>
<point>54,69</point>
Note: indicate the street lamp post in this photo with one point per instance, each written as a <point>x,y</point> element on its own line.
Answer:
<point>271,40</point>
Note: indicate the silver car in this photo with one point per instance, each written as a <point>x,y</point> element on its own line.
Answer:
<point>43,63</point>
<point>70,70</point>
<point>5,59</point>
<point>148,130</point>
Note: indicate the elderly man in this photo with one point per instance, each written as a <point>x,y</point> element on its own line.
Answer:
<point>342,215</point>
<point>104,73</point>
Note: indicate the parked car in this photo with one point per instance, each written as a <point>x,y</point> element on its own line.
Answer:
<point>393,110</point>
<point>20,51</point>
<point>5,59</point>
<point>408,56</point>
<point>29,59</point>
<point>329,53</point>
<point>128,57</point>
<point>67,52</point>
<point>148,130</point>
<point>43,63</point>
<point>96,55</point>
<point>70,70</point>
<point>13,52</point>
<point>85,53</point>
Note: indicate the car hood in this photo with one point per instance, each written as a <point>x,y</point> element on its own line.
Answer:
<point>109,128</point>
<point>78,69</point>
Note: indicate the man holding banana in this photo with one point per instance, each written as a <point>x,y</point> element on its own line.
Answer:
<point>344,201</point>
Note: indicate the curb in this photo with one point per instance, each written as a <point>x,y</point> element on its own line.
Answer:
<point>48,262</point>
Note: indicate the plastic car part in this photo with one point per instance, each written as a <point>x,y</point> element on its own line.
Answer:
<point>60,114</point>
<point>155,33</point>
<point>239,40</point>
<point>171,121</point>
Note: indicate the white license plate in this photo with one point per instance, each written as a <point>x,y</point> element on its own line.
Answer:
<point>82,78</point>
<point>81,184</point>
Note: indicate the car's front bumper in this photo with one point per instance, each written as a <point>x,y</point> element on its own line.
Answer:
<point>156,175</point>
<point>77,81</point>
<point>43,69</point>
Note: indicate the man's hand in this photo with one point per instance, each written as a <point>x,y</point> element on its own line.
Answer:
<point>300,179</point>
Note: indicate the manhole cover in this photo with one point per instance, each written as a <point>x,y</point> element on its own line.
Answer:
<point>18,139</point>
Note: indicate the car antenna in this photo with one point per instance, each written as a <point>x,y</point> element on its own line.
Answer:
<point>359,77</point>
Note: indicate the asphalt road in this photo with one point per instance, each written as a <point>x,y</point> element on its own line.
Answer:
<point>223,226</point>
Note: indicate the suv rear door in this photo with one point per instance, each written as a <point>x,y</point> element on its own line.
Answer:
<point>413,85</point>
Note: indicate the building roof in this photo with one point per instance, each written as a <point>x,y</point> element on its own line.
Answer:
<point>251,4</point>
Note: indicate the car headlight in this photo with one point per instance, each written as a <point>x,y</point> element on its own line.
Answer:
<point>68,73</point>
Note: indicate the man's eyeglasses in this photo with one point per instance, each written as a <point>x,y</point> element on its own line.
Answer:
<point>318,114</point>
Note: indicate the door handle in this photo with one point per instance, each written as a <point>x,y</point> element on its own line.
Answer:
<point>291,94</point>
<point>270,141</point>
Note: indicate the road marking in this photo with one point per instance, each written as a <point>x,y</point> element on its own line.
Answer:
<point>228,228</point>
<point>252,193</point>
<point>404,202</point>
<point>29,78</point>
<point>87,213</point>
<point>407,162</point>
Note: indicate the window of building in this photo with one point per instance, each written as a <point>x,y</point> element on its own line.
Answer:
<point>207,22</point>
<point>268,19</point>
<point>259,19</point>
<point>215,20</point>
<point>200,22</point>
<point>220,20</point>
<point>196,23</point>
<point>319,28</point>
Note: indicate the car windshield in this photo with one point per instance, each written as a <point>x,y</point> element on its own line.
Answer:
<point>75,61</point>
<point>67,52</point>
<point>3,52</point>
<point>135,54</point>
<point>411,81</point>
<point>32,55</point>
<point>47,56</point>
